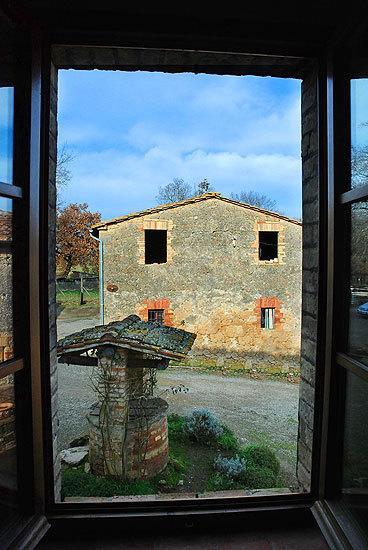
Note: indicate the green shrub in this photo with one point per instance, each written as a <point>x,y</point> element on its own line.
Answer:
<point>259,478</point>
<point>203,426</point>
<point>227,440</point>
<point>261,457</point>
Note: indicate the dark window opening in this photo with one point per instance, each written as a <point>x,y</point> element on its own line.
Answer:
<point>157,315</point>
<point>268,245</point>
<point>155,246</point>
<point>268,317</point>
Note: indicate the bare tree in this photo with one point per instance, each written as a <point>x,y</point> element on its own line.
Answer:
<point>179,190</point>
<point>255,199</point>
<point>176,190</point>
<point>359,165</point>
<point>63,172</point>
<point>203,186</point>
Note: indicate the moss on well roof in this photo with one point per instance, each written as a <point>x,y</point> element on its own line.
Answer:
<point>132,333</point>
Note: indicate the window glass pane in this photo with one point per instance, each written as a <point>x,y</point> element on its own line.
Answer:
<point>355,465</point>
<point>359,132</point>
<point>6,134</point>
<point>8,460</point>
<point>358,330</point>
<point>6,281</point>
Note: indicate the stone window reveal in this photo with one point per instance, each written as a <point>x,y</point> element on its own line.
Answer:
<point>157,315</point>
<point>155,246</point>
<point>268,245</point>
<point>268,318</point>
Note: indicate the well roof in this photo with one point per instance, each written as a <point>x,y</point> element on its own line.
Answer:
<point>132,333</point>
<point>193,200</point>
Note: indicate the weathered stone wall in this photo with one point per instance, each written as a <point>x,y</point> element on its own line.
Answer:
<point>6,289</point>
<point>213,283</point>
<point>52,278</point>
<point>311,244</point>
<point>7,415</point>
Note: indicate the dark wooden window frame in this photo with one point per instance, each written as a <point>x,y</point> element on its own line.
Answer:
<point>35,375</point>
<point>29,524</point>
<point>340,530</point>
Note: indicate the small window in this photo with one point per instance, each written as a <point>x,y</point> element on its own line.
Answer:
<point>268,318</point>
<point>155,241</point>
<point>157,315</point>
<point>268,245</point>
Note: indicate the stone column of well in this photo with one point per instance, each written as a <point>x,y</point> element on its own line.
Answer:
<point>108,430</point>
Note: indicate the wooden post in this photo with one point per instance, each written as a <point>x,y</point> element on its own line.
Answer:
<point>81,289</point>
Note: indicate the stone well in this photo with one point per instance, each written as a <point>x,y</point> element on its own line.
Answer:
<point>128,426</point>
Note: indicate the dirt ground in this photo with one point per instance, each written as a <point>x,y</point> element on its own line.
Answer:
<point>258,411</point>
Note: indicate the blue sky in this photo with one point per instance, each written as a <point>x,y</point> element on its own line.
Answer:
<point>359,110</point>
<point>133,132</point>
<point>6,134</point>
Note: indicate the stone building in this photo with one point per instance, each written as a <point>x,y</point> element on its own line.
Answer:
<point>225,270</point>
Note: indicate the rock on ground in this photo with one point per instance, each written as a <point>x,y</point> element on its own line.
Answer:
<point>74,456</point>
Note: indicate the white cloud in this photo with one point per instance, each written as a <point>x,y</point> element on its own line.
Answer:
<point>237,132</point>
<point>117,184</point>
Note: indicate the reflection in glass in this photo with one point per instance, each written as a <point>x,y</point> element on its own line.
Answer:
<point>6,281</point>
<point>6,134</point>
<point>355,465</point>
<point>358,325</point>
<point>8,460</point>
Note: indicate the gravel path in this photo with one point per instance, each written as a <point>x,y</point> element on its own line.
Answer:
<point>256,410</point>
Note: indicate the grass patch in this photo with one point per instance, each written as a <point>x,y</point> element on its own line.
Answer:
<point>176,428</point>
<point>176,468</point>
<point>78,483</point>
<point>71,298</point>
<point>243,368</point>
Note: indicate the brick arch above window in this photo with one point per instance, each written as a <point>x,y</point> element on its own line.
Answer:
<point>161,303</point>
<point>269,302</point>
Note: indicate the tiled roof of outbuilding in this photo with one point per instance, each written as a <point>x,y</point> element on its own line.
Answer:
<point>131,333</point>
<point>193,200</point>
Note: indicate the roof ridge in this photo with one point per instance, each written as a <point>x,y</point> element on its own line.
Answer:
<point>191,200</point>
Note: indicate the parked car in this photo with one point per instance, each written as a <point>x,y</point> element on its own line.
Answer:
<point>363,309</point>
